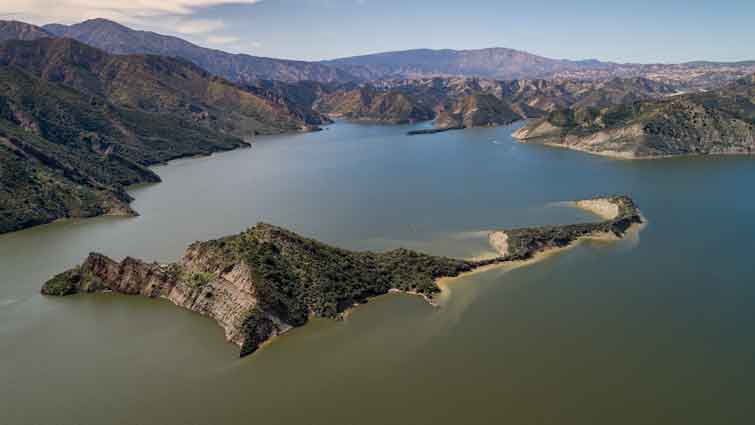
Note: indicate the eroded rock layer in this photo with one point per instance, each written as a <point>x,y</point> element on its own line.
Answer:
<point>267,280</point>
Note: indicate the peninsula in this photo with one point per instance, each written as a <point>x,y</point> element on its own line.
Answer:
<point>267,280</point>
<point>716,122</point>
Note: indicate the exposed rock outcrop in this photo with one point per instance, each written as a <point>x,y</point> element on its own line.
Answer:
<point>267,280</point>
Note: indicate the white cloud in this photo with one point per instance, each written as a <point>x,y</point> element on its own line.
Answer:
<point>176,16</point>
<point>70,11</point>
<point>198,26</point>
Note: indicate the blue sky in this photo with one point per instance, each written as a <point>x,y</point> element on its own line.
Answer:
<point>630,31</point>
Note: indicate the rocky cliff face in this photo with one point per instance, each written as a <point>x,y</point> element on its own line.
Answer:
<point>262,282</point>
<point>714,122</point>
<point>267,280</point>
<point>196,283</point>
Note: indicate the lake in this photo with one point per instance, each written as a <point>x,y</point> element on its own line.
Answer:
<point>658,328</point>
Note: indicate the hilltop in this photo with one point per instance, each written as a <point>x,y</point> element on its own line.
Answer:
<point>267,280</point>
<point>714,122</point>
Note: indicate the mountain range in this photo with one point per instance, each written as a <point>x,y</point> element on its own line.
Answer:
<point>492,63</point>
<point>115,38</point>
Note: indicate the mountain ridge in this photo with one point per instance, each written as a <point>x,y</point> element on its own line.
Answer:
<point>119,39</point>
<point>493,62</point>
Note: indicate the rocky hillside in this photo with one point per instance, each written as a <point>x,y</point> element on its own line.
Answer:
<point>368,104</point>
<point>476,110</point>
<point>153,84</point>
<point>471,102</point>
<point>267,280</point>
<point>713,122</point>
<point>67,154</point>
<point>118,39</point>
<point>77,125</point>
<point>619,91</point>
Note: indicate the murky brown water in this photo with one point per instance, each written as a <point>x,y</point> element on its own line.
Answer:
<point>658,330</point>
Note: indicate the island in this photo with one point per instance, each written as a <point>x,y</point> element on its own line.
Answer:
<point>267,280</point>
<point>434,130</point>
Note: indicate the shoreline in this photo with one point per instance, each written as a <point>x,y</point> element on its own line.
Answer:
<point>248,144</point>
<point>216,278</point>
<point>628,156</point>
<point>541,255</point>
<point>444,283</point>
<point>603,207</point>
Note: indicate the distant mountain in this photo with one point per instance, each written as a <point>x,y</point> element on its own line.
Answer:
<point>690,76</point>
<point>492,63</point>
<point>78,124</point>
<point>495,63</point>
<point>14,30</point>
<point>118,39</point>
<point>715,122</point>
<point>621,91</point>
<point>508,64</point>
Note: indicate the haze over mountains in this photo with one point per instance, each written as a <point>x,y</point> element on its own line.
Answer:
<point>493,63</point>
<point>118,39</point>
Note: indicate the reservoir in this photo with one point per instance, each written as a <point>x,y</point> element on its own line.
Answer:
<point>657,328</point>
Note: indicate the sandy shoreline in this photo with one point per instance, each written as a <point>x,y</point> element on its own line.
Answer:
<point>539,256</point>
<point>629,156</point>
<point>602,207</point>
<point>606,208</point>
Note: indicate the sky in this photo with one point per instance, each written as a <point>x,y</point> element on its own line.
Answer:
<point>642,31</point>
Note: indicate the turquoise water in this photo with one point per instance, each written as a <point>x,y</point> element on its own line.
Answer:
<point>654,329</point>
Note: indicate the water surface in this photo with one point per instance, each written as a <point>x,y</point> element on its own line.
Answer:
<point>654,330</point>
